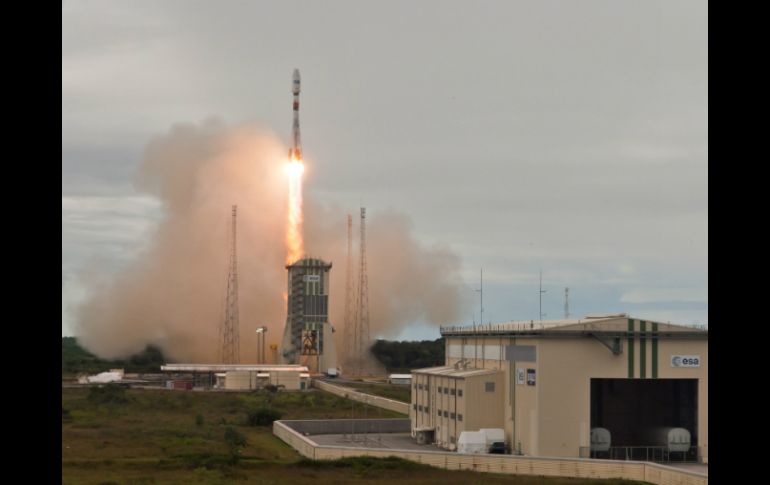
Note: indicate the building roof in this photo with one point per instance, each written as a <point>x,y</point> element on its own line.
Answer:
<point>400,376</point>
<point>231,367</point>
<point>452,371</point>
<point>616,324</point>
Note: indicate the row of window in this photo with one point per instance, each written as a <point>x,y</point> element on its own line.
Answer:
<point>444,390</point>
<point>439,413</point>
<point>450,391</point>
<point>449,415</point>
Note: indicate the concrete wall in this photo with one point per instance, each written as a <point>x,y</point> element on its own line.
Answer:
<point>483,409</point>
<point>240,380</point>
<point>382,402</point>
<point>289,379</point>
<point>556,467</point>
<point>342,426</point>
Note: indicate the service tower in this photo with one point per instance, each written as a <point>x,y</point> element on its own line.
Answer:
<point>307,337</point>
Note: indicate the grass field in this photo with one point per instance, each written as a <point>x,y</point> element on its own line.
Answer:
<point>391,391</point>
<point>169,437</point>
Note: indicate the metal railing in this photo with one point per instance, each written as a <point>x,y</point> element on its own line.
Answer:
<point>657,454</point>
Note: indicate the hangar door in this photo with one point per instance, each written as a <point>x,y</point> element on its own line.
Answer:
<point>636,410</point>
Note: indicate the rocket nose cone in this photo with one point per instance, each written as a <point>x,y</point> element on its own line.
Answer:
<point>295,76</point>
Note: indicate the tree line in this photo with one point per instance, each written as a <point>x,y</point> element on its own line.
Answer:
<point>406,355</point>
<point>75,360</point>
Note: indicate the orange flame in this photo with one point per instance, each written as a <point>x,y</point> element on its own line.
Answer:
<point>294,243</point>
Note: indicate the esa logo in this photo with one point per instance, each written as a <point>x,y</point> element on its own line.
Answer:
<point>685,361</point>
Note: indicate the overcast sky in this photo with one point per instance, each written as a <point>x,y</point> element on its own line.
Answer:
<point>568,136</point>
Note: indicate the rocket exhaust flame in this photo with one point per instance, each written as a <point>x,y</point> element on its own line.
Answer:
<point>294,169</point>
<point>294,242</point>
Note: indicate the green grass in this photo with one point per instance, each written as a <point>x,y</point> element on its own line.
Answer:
<point>401,393</point>
<point>156,437</point>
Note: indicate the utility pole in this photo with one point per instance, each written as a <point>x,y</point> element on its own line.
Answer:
<point>480,291</point>
<point>541,295</point>
<point>566,303</point>
<point>261,357</point>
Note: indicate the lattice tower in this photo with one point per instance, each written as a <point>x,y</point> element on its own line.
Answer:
<point>230,330</point>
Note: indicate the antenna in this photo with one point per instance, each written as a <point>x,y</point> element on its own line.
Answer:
<point>230,330</point>
<point>481,303</point>
<point>351,334</point>
<point>566,303</point>
<point>541,295</point>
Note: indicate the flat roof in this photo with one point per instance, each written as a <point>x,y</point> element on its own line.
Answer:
<point>451,371</point>
<point>232,367</point>
<point>400,376</point>
<point>599,324</point>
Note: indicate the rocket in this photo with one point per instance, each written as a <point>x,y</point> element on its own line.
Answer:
<point>295,152</point>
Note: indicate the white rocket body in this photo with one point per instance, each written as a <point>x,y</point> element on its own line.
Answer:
<point>295,152</point>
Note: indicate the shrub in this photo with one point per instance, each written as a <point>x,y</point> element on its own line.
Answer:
<point>199,420</point>
<point>263,417</point>
<point>270,387</point>
<point>234,438</point>
<point>107,394</point>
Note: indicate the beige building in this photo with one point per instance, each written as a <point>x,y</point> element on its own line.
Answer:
<point>562,378</point>
<point>449,400</point>
<point>244,376</point>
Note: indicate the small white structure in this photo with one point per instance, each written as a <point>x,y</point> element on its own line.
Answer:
<point>103,378</point>
<point>120,372</point>
<point>474,442</point>
<point>400,379</point>
<point>600,439</point>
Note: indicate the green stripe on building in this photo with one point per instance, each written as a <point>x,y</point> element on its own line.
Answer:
<point>643,349</point>
<point>654,350</point>
<point>630,348</point>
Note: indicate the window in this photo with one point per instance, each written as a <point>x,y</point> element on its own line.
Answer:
<point>452,392</point>
<point>446,414</point>
<point>459,393</point>
<point>426,409</point>
<point>452,439</point>
<point>489,386</point>
<point>452,416</point>
<point>446,390</point>
<point>439,389</point>
<point>438,412</point>
<point>414,406</point>
<point>459,417</point>
<point>419,407</point>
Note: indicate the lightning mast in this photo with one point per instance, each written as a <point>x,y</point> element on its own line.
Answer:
<point>351,335</point>
<point>230,330</point>
<point>362,313</point>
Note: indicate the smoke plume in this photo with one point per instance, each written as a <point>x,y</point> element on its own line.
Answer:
<point>172,294</point>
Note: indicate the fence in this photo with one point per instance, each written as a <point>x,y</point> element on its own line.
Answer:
<point>381,402</point>
<point>644,453</point>
<point>539,466</point>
